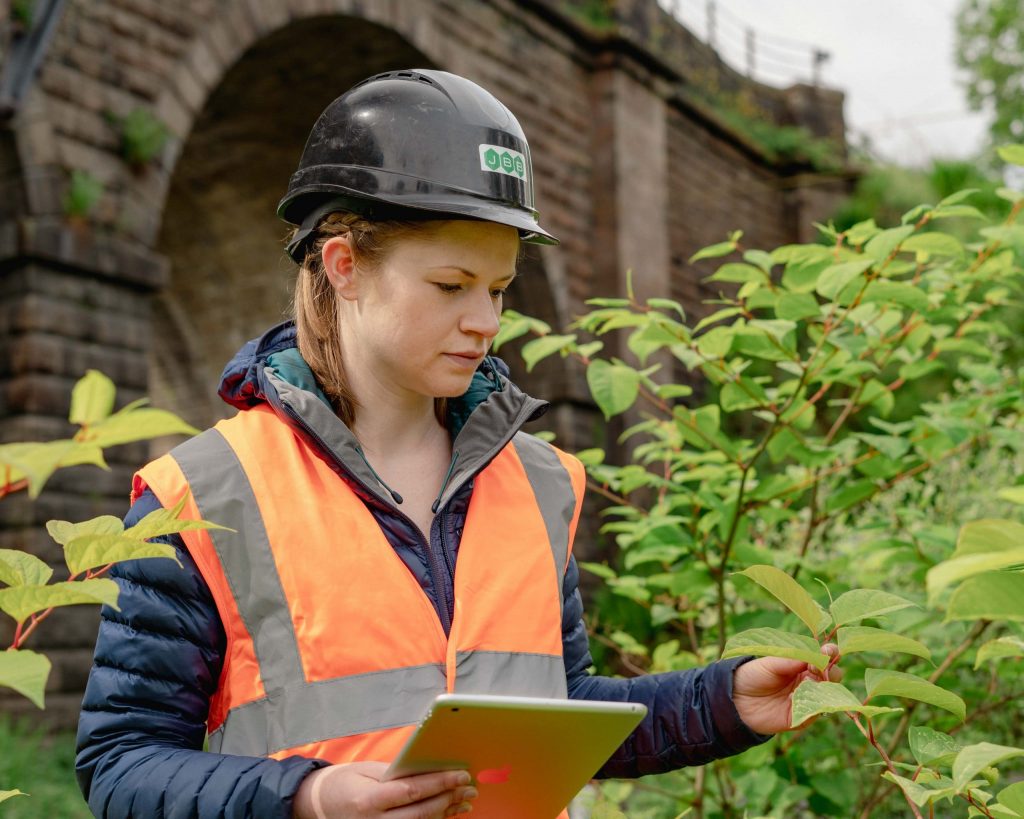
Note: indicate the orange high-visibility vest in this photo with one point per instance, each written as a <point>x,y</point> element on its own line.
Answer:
<point>333,649</point>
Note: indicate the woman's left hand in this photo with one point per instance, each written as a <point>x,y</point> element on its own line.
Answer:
<point>762,689</point>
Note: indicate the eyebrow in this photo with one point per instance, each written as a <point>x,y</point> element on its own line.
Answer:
<point>470,273</point>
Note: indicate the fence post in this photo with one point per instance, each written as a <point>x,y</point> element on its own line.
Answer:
<point>712,24</point>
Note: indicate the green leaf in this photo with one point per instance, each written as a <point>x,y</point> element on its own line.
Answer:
<point>855,639</point>
<point>849,495</point>
<point>889,445</point>
<point>5,795</point>
<point>540,348</point>
<point>614,386</point>
<point>861,232</point>
<point>1013,154</point>
<point>989,535</point>
<point>934,244</point>
<point>669,391</point>
<point>741,395</point>
<point>167,522</point>
<point>860,604</point>
<point>1012,797</point>
<point>835,278</point>
<point>974,758</point>
<point>880,682</point>
<point>21,601</point>
<point>137,425</point>
<point>884,243</point>
<point>771,642</point>
<point>19,568</point>
<point>919,794</point>
<point>510,331</point>
<point>25,672</point>
<point>995,596</point>
<point>920,368</point>
<point>600,569</point>
<point>931,747</point>
<point>791,594</point>
<point>1013,494</point>
<point>797,306</point>
<point>64,532</point>
<point>904,295</point>
<point>715,343</point>
<point>92,398</point>
<point>91,551</point>
<point>812,698</point>
<point>37,462</point>
<point>958,212</point>
<point>960,568</point>
<point>999,649</point>
<point>713,251</point>
<point>738,272</point>
<point>876,395</point>
<point>718,315</point>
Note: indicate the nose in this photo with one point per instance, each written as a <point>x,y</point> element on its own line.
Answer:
<point>482,315</point>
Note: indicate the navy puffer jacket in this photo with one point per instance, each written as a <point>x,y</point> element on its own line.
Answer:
<point>158,660</point>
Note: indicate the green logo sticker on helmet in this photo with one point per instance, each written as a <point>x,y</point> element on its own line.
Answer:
<point>496,159</point>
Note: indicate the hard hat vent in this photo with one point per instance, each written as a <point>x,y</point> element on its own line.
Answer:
<point>397,75</point>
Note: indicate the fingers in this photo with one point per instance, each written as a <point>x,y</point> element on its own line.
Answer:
<point>447,803</point>
<point>423,788</point>
<point>835,673</point>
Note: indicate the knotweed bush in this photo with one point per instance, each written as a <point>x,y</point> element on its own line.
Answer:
<point>797,499</point>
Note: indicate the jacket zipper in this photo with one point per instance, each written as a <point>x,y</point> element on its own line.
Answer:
<point>433,565</point>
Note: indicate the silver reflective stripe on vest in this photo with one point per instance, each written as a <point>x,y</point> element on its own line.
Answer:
<point>510,673</point>
<point>223,495</point>
<point>552,489</point>
<point>313,712</point>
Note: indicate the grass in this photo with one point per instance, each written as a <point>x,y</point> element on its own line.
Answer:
<point>43,766</point>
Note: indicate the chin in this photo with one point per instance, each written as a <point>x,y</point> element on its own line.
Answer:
<point>449,388</point>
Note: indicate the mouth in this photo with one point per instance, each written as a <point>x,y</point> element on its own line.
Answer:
<point>465,360</point>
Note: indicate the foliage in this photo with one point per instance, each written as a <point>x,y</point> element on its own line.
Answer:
<point>92,547</point>
<point>83,193</point>
<point>44,767</point>
<point>23,13</point>
<point>990,42</point>
<point>143,136</point>
<point>772,463</point>
<point>885,192</point>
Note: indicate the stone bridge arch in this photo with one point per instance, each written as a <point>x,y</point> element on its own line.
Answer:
<point>178,260</point>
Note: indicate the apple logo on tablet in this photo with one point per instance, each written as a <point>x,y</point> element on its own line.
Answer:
<point>494,776</point>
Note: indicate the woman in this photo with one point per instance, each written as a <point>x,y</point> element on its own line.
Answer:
<point>372,428</point>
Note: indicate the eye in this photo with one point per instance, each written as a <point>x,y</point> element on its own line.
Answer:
<point>450,289</point>
<point>497,293</point>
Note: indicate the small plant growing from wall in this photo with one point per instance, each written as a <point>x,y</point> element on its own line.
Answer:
<point>83,192</point>
<point>22,14</point>
<point>143,137</point>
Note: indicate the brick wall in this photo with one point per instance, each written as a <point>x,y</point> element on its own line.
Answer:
<point>181,260</point>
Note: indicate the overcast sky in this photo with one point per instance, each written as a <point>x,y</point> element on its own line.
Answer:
<point>893,58</point>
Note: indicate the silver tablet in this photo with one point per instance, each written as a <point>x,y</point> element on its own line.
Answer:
<point>528,757</point>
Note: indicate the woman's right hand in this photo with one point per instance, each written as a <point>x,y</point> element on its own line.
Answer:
<point>355,791</point>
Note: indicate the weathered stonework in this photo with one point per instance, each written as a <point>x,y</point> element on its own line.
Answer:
<point>181,260</point>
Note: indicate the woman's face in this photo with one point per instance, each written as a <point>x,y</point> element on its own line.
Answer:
<point>424,319</point>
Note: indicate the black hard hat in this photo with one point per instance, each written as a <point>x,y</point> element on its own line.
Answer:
<point>414,144</point>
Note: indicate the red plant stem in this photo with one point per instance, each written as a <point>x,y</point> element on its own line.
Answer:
<point>870,736</point>
<point>9,487</point>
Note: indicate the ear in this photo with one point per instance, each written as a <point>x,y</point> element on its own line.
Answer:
<point>340,266</point>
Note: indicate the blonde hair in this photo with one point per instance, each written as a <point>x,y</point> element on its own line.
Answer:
<point>316,308</point>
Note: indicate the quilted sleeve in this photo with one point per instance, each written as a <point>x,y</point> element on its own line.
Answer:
<point>143,720</point>
<point>691,718</point>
